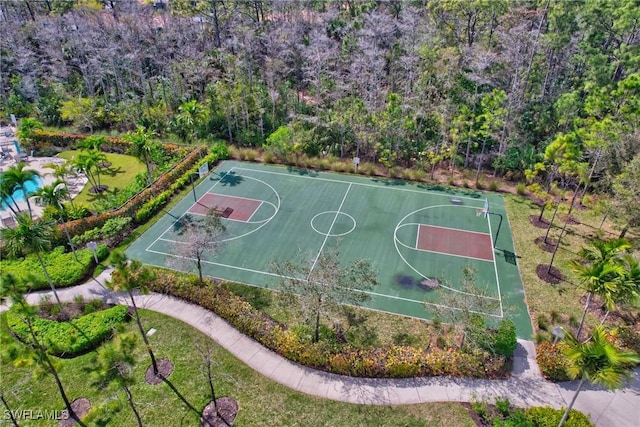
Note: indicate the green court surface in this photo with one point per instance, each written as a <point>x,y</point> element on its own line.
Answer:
<point>418,237</point>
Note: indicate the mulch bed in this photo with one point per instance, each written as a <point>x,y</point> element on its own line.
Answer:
<point>80,407</point>
<point>571,220</point>
<point>548,246</point>
<point>553,275</point>
<point>165,368</point>
<point>537,222</point>
<point>227,411</point>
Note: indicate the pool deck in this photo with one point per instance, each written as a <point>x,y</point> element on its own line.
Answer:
<point>43,165</point>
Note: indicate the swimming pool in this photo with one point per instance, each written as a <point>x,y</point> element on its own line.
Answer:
<point>18,195</point>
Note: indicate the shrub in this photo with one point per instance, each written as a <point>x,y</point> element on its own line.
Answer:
<point>552,361</point>
<point>367,168</point>
<point>505,340</point>
<point>296,345</point>
<point>70,338</point>
<point>93,305</point>
<point>503,406</point>
<point>521,188</point>
<point>545,416</point>
<point>403,338</point>
<point>63,269</point>
<point>112,227</point>
<point>494,185</point>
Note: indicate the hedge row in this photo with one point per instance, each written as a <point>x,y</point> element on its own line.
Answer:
<point>62,267</point>
<point>70,338</point>
<point>171,181</point>
<point>43,140</point>
<point>394,361</point>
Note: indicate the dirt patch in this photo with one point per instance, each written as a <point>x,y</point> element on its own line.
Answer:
<point>548,246</point>
<point>550,275</point>
<point>571,220</point>
<point>70,310</point>
<point>80,407</point>
<point>165,368</point>
<point>537,222</point>
<point>227,409</point>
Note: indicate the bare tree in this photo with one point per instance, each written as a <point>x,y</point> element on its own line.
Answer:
<point>322,284</point>
<point>200,241</point>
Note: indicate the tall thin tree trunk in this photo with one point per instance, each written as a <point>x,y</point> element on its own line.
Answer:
<point>573,400</point>
<point>8,411</point>
<point>133,406</point>
<point>46,274</point>
<point>584,315</point>
<point>555,211</point>
<point>144,336</point>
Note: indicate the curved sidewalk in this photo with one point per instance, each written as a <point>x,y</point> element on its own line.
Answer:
<point>525,387</point>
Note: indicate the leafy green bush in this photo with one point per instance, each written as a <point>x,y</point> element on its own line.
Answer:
<point>70,338</point>
<point>552,361</point>
<point>63,269</point>
<point>521,188</point>
<point>505,339</point>
<point>112,227</point>
<point>545,416</point>
<point>328,355</point>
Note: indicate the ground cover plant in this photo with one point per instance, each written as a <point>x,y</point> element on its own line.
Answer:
<point>64,268</point>
<point>178,342</point>
<point>68,338</point>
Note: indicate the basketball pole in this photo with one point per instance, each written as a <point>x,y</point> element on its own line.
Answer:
<point>499,225</point>
<point>195,199</point>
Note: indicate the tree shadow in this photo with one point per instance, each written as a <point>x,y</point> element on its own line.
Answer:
<point>231,179</point>
<point>111,172</point>
<point>181,397</point>
<point>301,171</point>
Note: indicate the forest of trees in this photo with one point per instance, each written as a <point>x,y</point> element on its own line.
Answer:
<point>547,89</point>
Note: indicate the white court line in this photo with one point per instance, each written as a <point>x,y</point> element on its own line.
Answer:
<point>329,231</point>
<point>233,267</point>
<point>456,229</point>
<point>229,196</point>
<point>416,248</point>
<point>362,184</point>
<point>182,216</point>
<point>254,212</point>
<point>495,268</point>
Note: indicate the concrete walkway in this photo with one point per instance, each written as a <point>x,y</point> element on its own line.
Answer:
<point>526,387</point>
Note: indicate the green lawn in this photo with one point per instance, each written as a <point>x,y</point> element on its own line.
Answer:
<point>261,401</point>
<point>121,173</point>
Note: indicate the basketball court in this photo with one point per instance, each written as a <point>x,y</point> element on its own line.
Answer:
<point>419,238</point>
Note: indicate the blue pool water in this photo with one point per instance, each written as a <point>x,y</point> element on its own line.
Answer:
<point>18,195</point>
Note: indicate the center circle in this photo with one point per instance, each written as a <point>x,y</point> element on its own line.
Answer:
<point>333,223</point>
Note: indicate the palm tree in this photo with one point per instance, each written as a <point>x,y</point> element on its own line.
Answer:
<point>113,366</point>
<point>598,361</point>
<point>130,276</point>
<point>16,177</point>
<point>26,129</point>
<point>29,236</point>
<point>13,290</point>
<point>142,148</point>
<point>53,195</point>
<point>6,195</point>
<point>599,270</point>
<point>91,143</point>
<point>89,162</point>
